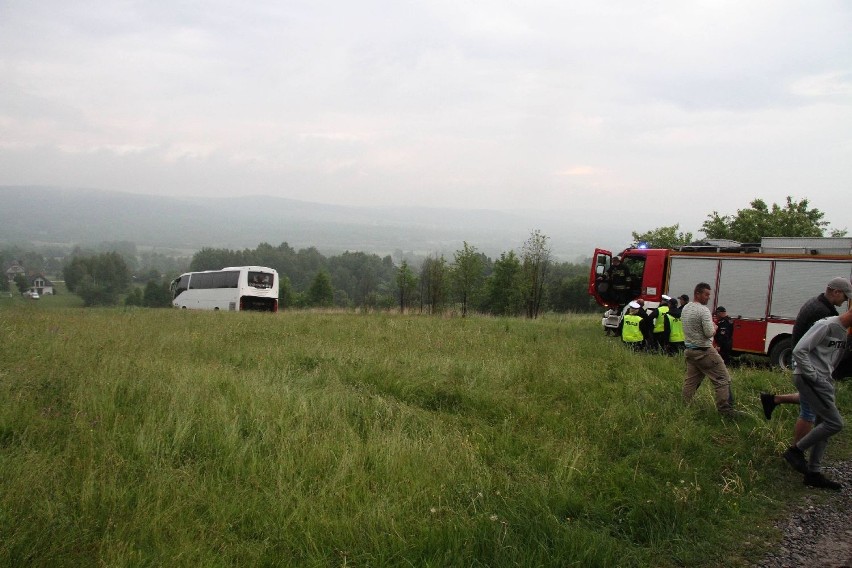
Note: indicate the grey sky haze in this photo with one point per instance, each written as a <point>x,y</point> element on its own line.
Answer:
<point>551,105</point>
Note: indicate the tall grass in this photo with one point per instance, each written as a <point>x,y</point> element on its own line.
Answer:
<point>165,437</point>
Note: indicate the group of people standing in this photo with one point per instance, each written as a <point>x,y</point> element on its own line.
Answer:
<point>820,339</point>
<point>660,329</point>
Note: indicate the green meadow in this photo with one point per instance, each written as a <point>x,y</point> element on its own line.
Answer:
<point>142,437</point>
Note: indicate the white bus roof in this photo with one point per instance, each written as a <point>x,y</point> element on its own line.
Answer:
<point>252,268</point>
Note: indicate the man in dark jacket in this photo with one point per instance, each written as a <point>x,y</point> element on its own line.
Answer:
<point>817,354</point>
<point>724,335</point>
<point>837,291</point>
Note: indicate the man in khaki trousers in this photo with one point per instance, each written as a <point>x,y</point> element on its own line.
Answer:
<point>702,360</point>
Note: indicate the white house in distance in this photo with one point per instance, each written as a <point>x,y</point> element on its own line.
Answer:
<point>14,270</point>
<point>37,282</point>
<point>41,285</point>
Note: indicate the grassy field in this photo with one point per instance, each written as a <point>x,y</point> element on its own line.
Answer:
<point>136,437</point>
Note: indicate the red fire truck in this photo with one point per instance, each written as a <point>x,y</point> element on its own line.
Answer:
<point>762,286</point>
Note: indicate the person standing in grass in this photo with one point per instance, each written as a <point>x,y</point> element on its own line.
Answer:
<point>674,329</point>
<point>837,291</point>
<point>659,337</point>
<point>724,335</point>
<point>701,359</point>
<point>816,356</point>
<point>632,328</point>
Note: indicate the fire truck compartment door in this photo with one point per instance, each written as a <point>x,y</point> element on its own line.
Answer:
<point>744,287</point>
<point>796,281</point>
<point>686,272</point>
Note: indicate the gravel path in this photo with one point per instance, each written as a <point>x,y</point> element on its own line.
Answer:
<point>818,534</point>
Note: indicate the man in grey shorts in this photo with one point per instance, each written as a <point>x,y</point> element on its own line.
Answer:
<point>837,291</point>
<point>816,355</point>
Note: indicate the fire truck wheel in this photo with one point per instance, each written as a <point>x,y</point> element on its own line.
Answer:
<point>781,354</point>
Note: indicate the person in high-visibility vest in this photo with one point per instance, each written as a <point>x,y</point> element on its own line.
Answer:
<point>632,327</point>
<point>673,329</point>
<point>659,337</point>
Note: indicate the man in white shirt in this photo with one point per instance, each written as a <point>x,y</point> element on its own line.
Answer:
<point>701,358</point>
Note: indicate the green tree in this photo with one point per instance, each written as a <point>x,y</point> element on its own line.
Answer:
<point>341,299</point>
<point>98,279</point>
<point>794,219</point>
<point>157,295</point>
<point>212,259</point>
<point>285,293</point>
<point>320,293</point>
<point>571,294</point>
<point>504,288</point>
<point>22,283</point>
<point>662,237</point>
<point>134,298</point>
<point>74,272</point>
<point>566,288</point>
<point>434,282</point>
<point>406,283</point>
<point>467,274</point>
<point>535,262</point>
<point>358,274</point>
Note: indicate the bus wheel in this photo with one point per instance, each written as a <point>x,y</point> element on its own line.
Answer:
<point>781,354</point>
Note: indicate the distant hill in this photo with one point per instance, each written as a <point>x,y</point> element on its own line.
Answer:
<point>85,216</point>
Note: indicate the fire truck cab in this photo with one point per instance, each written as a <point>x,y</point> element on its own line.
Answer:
<point>762,286</point>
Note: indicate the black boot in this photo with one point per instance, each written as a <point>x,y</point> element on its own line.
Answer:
<point>817,479</point>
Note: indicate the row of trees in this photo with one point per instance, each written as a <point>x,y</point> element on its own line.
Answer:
<point>513,284</point>
<point>526,282</point>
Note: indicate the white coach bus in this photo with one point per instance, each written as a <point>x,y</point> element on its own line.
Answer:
<point>235,289</point>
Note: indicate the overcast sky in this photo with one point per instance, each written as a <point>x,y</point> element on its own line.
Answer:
<point>662,111</point>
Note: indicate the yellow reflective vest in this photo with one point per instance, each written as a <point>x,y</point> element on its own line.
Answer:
<point>659,323</point>
<point>631,332</point>
<point>675,329</point>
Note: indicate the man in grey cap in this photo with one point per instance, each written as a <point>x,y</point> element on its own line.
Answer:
<point>817,355</point>
<point>837,291</point>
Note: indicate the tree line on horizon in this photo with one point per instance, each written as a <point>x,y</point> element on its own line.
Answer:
<point>523,283</point>
<point>526,282</point>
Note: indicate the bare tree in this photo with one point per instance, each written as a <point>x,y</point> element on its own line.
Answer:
<point>406,283</point>
<point>467,274</point>
<point>535,260</point>
<point>434,277</point>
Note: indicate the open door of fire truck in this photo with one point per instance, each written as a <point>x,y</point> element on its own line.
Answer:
<point>599,277</point>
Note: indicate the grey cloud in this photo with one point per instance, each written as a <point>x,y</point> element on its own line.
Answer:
<point>428,102</point>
